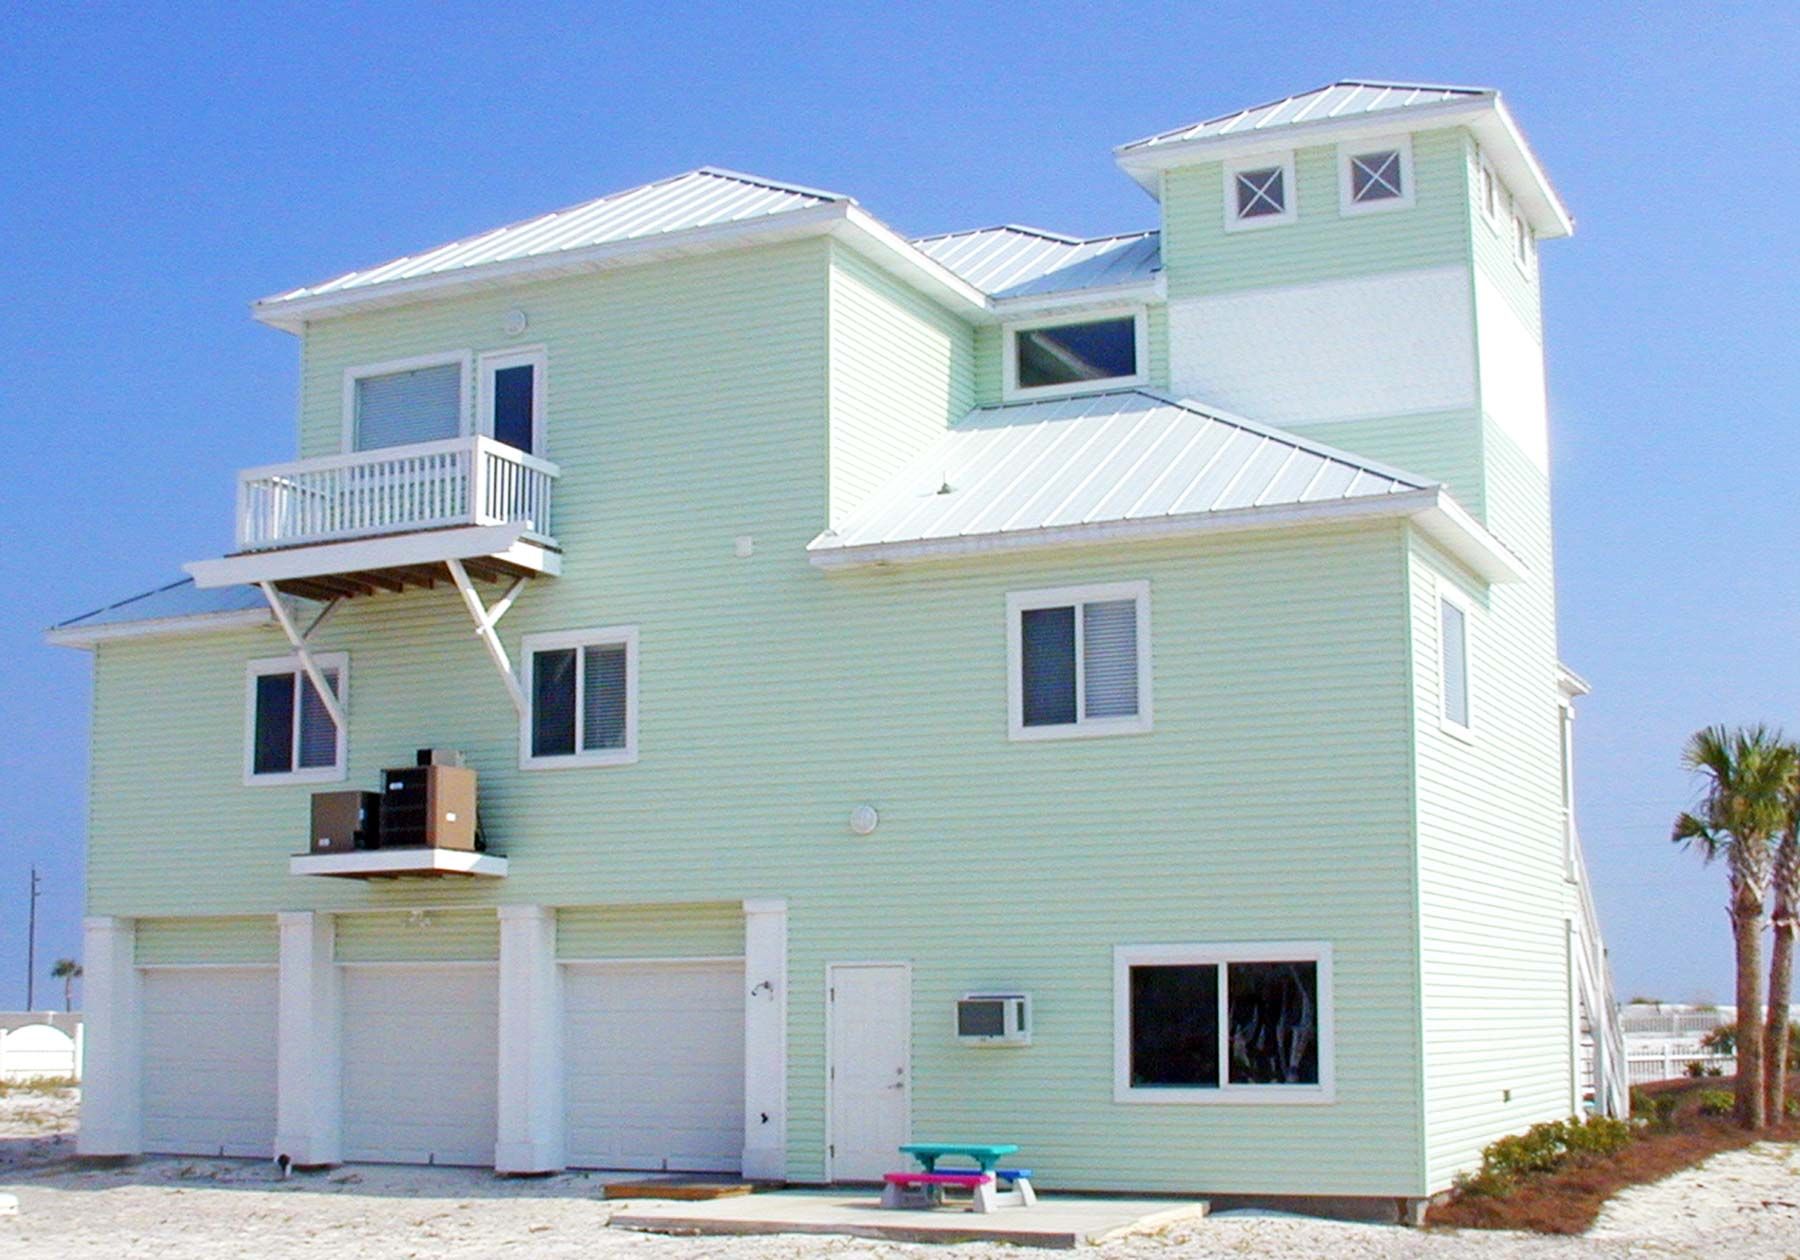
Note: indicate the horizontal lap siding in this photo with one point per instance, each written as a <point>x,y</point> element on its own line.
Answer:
<point>1200,256</point>
<point>902,371</point>
<point>671,931</point>
<point>990,343</point>
<point>1494,900</point>
<point>226,939</point>
<point>1446,446</point>
<point>432,936</point>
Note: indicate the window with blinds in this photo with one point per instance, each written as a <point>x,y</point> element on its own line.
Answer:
<point>582,687</point>
<point>1080,661</point>
<point>1454,635</point>
<point>292,734</point>
<point>422,404</point>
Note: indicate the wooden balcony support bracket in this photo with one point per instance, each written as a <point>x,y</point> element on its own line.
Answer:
<point>284,618</point>
<point>486,619</point>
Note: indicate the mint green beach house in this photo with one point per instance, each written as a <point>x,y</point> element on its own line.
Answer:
<point>1101,695</point>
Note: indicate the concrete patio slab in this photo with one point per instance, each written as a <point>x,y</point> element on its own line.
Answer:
<point>1057,1220</point>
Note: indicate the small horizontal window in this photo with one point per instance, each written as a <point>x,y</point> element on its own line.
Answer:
<point>292,735</point>
<point>1069,356</point>
<point>1240,1023</point>
<point>581,689</point>
<point>1080,661</point>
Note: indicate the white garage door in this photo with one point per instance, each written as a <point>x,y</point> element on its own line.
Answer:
<point>419,1049</point>
<point>209,1060</point>
<point>654,1065</point>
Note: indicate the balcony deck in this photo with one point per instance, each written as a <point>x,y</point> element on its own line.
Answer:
<point>347,525</point>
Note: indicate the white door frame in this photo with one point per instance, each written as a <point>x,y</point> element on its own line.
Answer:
<point>831,970</point>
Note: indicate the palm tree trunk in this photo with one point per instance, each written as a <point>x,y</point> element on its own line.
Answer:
<point>1747,928</point>
<point>1775,1038</point>
<point>68,993</point>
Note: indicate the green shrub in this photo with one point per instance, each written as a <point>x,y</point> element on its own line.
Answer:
<point>1655,1111</point>
<point>1544,1148</point>
<point>1716,1102</point>
<point>1723,1040</point>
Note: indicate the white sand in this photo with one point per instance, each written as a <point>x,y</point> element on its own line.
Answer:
<point>1743,1204</point>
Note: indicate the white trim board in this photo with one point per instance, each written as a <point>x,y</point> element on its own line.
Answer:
<point>432,546</point>
<point>88,637</point>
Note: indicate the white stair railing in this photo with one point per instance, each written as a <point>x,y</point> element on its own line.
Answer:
<point>430,485</point>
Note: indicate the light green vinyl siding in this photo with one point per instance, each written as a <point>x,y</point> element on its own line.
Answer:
<point>1444,445</point>
<point>224,939</point>
<point>1201,257</point>
<point>902,371</point>
<point>990,343</point>
<point>672,931</point>
<point>1491,244</point>
<point>425,936</point>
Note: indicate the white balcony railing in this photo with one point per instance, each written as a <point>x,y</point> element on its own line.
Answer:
<point>399,489</point>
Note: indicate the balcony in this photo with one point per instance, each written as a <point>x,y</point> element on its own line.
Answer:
<point>348,525</point>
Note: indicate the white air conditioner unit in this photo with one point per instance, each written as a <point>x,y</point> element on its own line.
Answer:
<point>994,1019</point>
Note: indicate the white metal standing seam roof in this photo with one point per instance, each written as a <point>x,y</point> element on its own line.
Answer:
<point>700,198</point>
<point>1347,98</point>
<point>1128,455</point>
<point>1011,261</point>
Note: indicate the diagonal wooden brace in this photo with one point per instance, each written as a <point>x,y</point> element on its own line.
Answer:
<point>485,619</point>
<point>327,694</point>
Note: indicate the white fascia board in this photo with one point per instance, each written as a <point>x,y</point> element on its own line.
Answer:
<point>155,627</point>
<point>1487,117</point>
<point>292,313</point>
<point>1570,683</point>
<point>1135,291</point>
<point>887,249</point>
<point>500,542</point>
<point>1447,524</point>
<point>398,862</point>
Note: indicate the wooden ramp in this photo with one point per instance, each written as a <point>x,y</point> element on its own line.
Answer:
<point>684,1189</point>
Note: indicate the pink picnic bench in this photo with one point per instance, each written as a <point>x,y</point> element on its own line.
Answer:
<point>925,1187</point>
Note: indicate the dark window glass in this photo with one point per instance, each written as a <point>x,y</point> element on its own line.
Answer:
<point>1070,353</point>
<point>1456,664</point>
<point>553,703</point>
<point>1375,176</point>
<point>513,387</point>
<point>1175,1026</point>
<point>1261,192</point>
<point>274,751</point>
<point>603,698</point>
<point>318,733</point>
<point>1047,663</point>
<point>980,1019</point>
<point>1274,1023</point>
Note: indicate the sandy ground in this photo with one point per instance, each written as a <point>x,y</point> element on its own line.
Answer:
<point>1744,1204</point>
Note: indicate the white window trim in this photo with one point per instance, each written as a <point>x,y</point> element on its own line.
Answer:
<point>1565,745</point>
<point>538,358</point>
<point>1347,203</point>
<point>1519,230</point>
<point>1449,594</point>
<point>1290,191</point>
<point>1011,391</point>
<point>1017,603</point>
<point>334,773</point>
<point>602,637</point>
<point>1125,957</point>
<point>1493,214</point>
<point>463,358</point>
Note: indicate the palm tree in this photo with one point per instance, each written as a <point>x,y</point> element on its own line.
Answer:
<point>66,970</point>
<point>1786,922</point>
<point>1741,810</point>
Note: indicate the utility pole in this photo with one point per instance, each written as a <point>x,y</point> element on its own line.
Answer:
<point>31,946</point>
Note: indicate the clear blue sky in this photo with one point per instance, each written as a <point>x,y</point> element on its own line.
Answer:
<point>160,167</point>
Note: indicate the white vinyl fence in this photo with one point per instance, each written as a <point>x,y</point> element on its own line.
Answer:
<point>35,1051</point>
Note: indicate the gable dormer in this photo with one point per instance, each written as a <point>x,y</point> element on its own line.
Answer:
<point>1359,263</point>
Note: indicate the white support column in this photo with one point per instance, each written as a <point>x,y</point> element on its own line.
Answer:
<point>765,1039</point>
<point>308,1036</point>
<point>530,1067</point>
<point>112,1091</point>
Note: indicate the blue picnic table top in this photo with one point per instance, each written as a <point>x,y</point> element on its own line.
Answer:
<point>985,1154</point>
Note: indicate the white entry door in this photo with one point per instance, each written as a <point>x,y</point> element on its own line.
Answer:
<point>419,1061</point>
<point>870,1067</point>
<point>653,1057</point>
<point>209,1060</point>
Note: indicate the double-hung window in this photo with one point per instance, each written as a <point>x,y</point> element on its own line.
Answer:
<point>581,692</point>
<point>405,402</point>
<point>1079,661</point>
<point>1453,663</point>
<point>1259,192</point>
<point>1223,1023</point>
<point>1375,175</point>
<point>290,735</point>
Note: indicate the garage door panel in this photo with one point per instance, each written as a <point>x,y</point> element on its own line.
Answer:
<point>208,1046</point>
<point>654,1065</point>
<point>420,1052</point>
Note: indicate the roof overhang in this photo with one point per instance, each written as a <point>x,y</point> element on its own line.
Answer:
<point>89,637</point>
<point>1487,117</point>
<point>1028,304</point>
<point>843,220</point>
<point>1571,684</point>
<point>1431,509</point>
<point>505,544</point>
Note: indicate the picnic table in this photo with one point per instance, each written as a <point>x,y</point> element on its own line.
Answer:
<point>925,1188</point>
